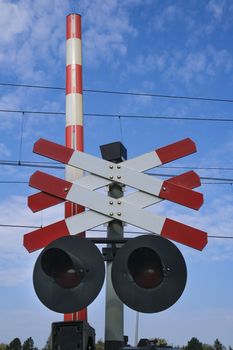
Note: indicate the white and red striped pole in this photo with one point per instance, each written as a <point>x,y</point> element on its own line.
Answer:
<point>74,115</point>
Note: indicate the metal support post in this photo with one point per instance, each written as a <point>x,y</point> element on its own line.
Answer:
<point>114,323</point>
<point>114,312</point>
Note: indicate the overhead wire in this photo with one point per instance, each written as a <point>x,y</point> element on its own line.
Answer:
<point>198,98</point>
<point>51,165</point>
<point>32,164</point>
<point>119,115</point>
<point>99,230</point>
<point>57,166</point>
<point>132,93</point>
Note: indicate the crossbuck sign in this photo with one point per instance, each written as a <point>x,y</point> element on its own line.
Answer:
<point>103,209</point>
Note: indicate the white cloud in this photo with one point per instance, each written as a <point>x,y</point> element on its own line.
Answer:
<point>4,151</point>
<point>144,64</point>
<point>197,66</point>
<point>16,262</point>
<point>216,8</point>
<point>168,15</point>
<point>15,18</point>
<point>33,43</point>
<point>106,30</point>
<point>188,65</point>
<point>31,38</point>
<point>13,276</point>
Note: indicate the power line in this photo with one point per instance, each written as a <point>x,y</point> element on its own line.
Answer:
<point>30,112</point>
<point>56,166</point>
<point>99,230</point>
<point>20,226</point>
<point>33,86</point>
<point>160,117</point>
<point>138,232</point>
<point>115,92</point>
<point>41,165</point>
<point>197,167</point>
<point>3,182</point>
<point>101,115</point>
<point>31,164</point>
<point>13,182</point>
<point>201,177</point>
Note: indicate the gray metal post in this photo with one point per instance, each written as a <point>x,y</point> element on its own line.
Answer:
<point>114,312</point>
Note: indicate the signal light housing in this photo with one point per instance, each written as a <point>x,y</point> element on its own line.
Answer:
<point>149,273</point>
<point>68,274</point>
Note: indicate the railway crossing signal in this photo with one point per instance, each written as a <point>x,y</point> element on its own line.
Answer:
<point>148,272</point>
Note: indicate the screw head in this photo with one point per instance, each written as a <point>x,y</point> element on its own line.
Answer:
<point>118,176</point>
<point>119,202</point>
<point>111,177</point>
<point>111,202</point>
<point>119,214</point>
<point>164,188</point>
<point>66,189</point>
<point>118,166</point>
<point>110,166</point>
<point>111,214</point>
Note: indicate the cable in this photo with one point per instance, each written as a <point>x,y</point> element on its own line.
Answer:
<point>121,116</point>
<point>196,167</point>
<point>159,117</point>
<point>32,86</point>
<point>55,166</point>
<point>157,174</point>
<point>98,230</point>
<point>13,182</point>
<point>138,232</point>
<point>40,165</point>
<point>31,164</point>
<point>30,112</point>
<point>21,136</point>
<point>22,226</point>
<point>26,182</point>
<point>198,98</point>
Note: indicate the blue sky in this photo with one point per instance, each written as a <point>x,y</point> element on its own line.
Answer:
<point>179,48</point>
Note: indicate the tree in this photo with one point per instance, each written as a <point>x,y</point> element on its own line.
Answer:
<point>160,342</point>
<point>207,347</point>
<point>28,344</point>
<point>48,344</point>
<point>218,345</point>
<point>99,345</point>
<point>15,344</point>
<point>3,346</point>
<point>194,344</point>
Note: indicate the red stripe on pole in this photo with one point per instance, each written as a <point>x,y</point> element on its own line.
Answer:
<point>73,26</point>
<point>53,150</point>
<point>42,237</point>
<point>50,184</point>
<point>181,195</point>
<point>68,317</point>
<point>176,150</point>
<point>73,209</point>
<point>74,135</point>
<point>81,315</point>
<point>184,234</point>
<point>74,132</point>
<point>74,79</point>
